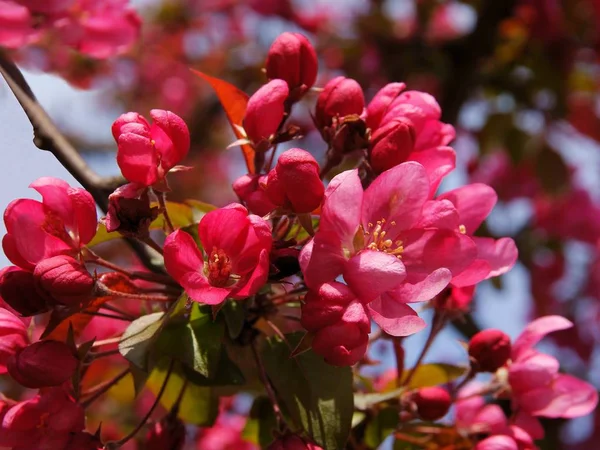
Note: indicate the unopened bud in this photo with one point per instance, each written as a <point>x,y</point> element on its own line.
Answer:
<point>250,189</point>
<point>490,349</point>
<point>169,433</point>
<point>64,279</point>
<point>294,183</point>
<point>129,211</point>
<point>381,102</point>
<point>391,144</point>
<point>293,59</point>
<point>340,97</point>
<point>265,111</point>
<point>432,402</point>
<point>292,442</point>
<point>42,364</point>
<point>17,289</point>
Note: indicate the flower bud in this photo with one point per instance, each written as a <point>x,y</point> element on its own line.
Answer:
<point>265,111</point>
<point>292,442</point>
<point>250,190</point>
<point>13,337</point>
<point>169,433</point>
<point>42,364</point>
<point>490,349</point>
<point>293,59</point>
<point>326,306</point>
<point>340,97</point>
<point>64,279</point>
<point>391,144</point>
<point>17,289</point>
<point>381,102</point>
<point>294,183</point>
<point>129,211</point>
<point>432,402</point>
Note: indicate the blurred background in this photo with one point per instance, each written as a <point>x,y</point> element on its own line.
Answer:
<point>519,79</point>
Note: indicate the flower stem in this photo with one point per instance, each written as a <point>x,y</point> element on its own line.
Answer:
<point>399,353</point>
<point>97,392</point>
<point>163,208</point>
<point>437,325</point>
<point>105,290</point>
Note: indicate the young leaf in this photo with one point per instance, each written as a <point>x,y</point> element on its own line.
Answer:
<point>226,374</point>
<point>428,375</point>
<point>234,102</point>
<point>381,426</point>
<point>317,395</point>
<point>234,314</point>
<point>136,342</point>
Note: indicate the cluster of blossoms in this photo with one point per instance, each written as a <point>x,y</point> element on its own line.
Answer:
<point>347,256</point>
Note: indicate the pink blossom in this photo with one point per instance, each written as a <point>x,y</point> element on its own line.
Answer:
<point>225,434</point>
<point>538,389</point>
<point>382,242</point>
<point>147,152</point>
<point>13,337</point>
<point>235,262</point>
<point>47,6</point>
<point>46,421</point>
<point>63,223</point>
<point>16,25</point>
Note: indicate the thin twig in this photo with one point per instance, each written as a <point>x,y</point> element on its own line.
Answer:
<point>163,208</point>
<point>438,323</point>
<point>97,392</point>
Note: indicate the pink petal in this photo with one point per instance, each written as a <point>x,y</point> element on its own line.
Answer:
<point>395,318</point>
<point>55,194</point>
<point>11,251</point>
<point>371,273</point>
<point>136,156</point>
<point>535,331</point>
<point>257,278</point>
<point>438,162</point>
<point>434,134</point>
<point>423,290</point>
<point>182,255</point>
<point>537,370</point>
<point>398,195</point>
<point>571,397</point>
<point>177,131</point>
<point>84,214</point>
<point>498,442</point>
<point>491,419</point>
<point>473,202</point>
<point>381,102</point>
<point>500,254</point>
<point>342,206</point>
<point>439,214</point>
<point>197,287</point>
<point>322,259</point>
<point>478,271</point>
<point>225,228</point>
<point>529,424</point>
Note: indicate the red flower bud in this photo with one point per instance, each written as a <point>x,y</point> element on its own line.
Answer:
<point>391,144</point>
<point>42,364</point>
<point>292,442</point>
<point>293,59</point>
<point>381,102</point>
<point>13,337</point>
<point>340,97</point>
<point>265,111</point>
<point>490,348</point>
<point>169,433</point>
<point>17,289</point>
<point>294,183</point>
<point>64,279</point>
<point>129,210</point>
<point>432,402</point>
<point>250,190</point>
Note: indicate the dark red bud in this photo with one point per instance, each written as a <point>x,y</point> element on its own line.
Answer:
<point>17,289</point>
<point>129,211</point>
<point>292,442</point>
<point>432,402</point>
<point>265,111</point>
<point>490,349</point>
<point>293,59</point>
<point>169,433</point>
<point>294,183</point>
<point>42,364</point>
<point>340,97</point>
<point>391,144</point>
<point>64,279</point>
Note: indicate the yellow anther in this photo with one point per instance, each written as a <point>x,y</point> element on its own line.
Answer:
<point>462,229</point>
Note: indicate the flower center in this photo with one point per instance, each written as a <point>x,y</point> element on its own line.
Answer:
<point>375,238</point>
<point>218,267</point>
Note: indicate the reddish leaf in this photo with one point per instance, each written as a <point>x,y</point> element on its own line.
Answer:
<point>234,103</point>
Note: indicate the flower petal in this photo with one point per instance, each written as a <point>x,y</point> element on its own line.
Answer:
<point>197,287</point>
<point>136,156</point>
<point>474,203</point>
<point>423,290</point>
<point>500,254</point>
<point>322,259</point>
<point>535,331</point>
<point>342,206</point>
<point>371,273</point>
<point>182,255</point>
<point>225,228</point>
<point>438,162</point>
<point>498,442</point>
<point>393,317</point>
<point>571,397</point>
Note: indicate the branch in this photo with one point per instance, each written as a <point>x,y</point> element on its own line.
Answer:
<point>48,137</point>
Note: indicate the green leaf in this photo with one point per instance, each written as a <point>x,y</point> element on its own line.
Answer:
<point>261,423</point>
<point>317,395</point>
<point>428,375</point>
<point>226,374</point>
<point>196,342</point>
<point>234,314</point>
<point>381,426</point>
<point>199,405</point>
<point>136,342</point>
<point>365,401</point>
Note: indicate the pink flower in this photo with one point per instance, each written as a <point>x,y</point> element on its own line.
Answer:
<point>236,256</point>
<point>265,111</point>
<point>147,152</point>
<point>391,144</point>
<point>538,389</point>
<point>46,421</point>
<point>13,337</point>
<point>225,434</point>
<point>382,242</point>
<point>340,97</point>
<point>16,25</point>
<point>63,223</point>
<point>294,183</point>
<point>339,322</point>
<point>292,442</point>
<point>432,402</point>
<point>473,203</point>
